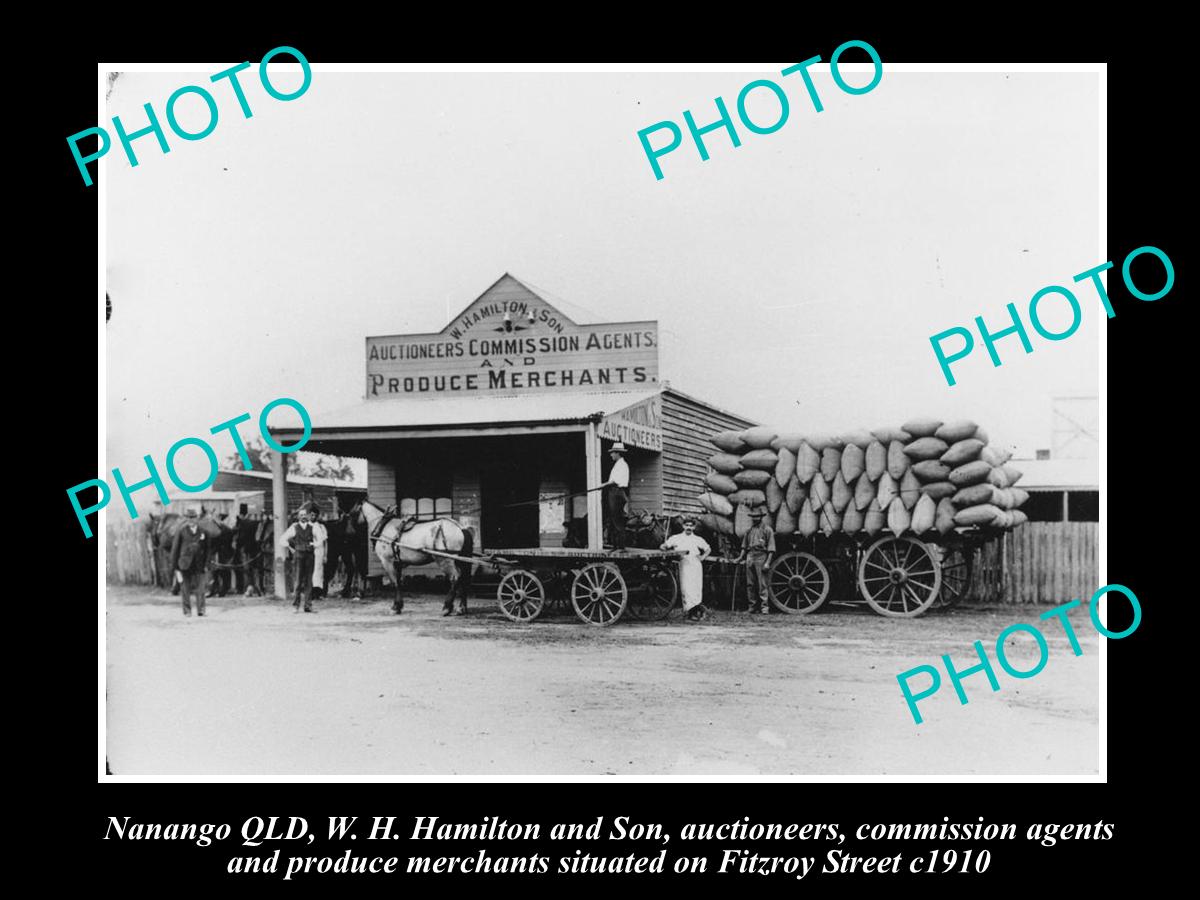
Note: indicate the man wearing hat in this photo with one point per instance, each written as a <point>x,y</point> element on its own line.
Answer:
<point>189,560</point>
<point>691,568</point>
<point>758,550</point>
<point>320,548</point>
<point>616,494</point>
<point>300,538</point>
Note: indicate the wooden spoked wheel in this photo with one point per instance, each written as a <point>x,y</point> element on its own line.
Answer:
<point>956,577</point>
<point>899,577</point>
<point>655,597</point>
<point>521,596</point>
<point>797,583</point>
<point>599,594</point>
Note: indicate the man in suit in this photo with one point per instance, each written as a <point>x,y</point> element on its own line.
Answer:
<point>189,559</point>
<point>300,538</point>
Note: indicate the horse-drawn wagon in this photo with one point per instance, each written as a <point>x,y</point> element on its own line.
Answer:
<point>601,586</point>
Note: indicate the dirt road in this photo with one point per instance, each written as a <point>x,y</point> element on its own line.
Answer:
<point>254,690</point>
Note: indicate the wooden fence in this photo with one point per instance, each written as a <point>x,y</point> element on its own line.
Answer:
<point>1039,562</point>
<point>129,560</point>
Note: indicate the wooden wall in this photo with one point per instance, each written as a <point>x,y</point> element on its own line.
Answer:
<point>645,479</point>
<point>687,426</point>
<point>1039,562</point>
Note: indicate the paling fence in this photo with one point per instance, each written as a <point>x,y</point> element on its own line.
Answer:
<point>129,556</point>
<point>1041,562</point>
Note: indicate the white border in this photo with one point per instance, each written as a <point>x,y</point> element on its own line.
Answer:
<point>102,251</point>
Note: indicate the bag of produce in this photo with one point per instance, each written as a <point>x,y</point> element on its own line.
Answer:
<point>786,467</point>
<point>971,473</point>
<point>729,441</point>
<point>898,519</point>
<point>931,470</point>
<point>876,461</point>
<point>897,463</point>
<point>953,432</point>
<point>759,437</point>
<point>831,463</point>
<point>920,428</point>
<point>808,463</point>
<point>853,462</point>
<point>715,503</point>
<point>924,514</point>
<point>748,496</point>
<point>962,452</point>
<point>722,484</point>
<point>984,514</point>
<point>752,478</point>
<point>840,493</point>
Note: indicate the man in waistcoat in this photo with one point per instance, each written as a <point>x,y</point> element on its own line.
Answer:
<point>300,538</point>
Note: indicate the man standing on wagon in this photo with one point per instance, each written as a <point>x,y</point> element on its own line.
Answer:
<point>616,495</point>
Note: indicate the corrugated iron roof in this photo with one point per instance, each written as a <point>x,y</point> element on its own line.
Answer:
<point>569,407</point>
<point>352,485</point>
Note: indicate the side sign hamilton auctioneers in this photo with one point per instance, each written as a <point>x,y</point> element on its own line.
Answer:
<point>511,341</point>
<point>639,425</point>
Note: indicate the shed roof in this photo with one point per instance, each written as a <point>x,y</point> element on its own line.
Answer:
<point>1058,474</point>
<point>567,407</point>
<point>352,485</point>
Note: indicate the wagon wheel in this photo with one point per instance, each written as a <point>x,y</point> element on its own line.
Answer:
<point>797,583</point>
<point>521,596</point>
<point>957,567</point>
<point>899,577</point>
<point>599,594</point>
<point>655,597</point>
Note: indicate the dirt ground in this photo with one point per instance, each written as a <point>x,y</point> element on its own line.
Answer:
<point>254,690</point>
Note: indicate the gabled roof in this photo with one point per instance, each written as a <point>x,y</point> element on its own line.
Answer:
<point>497,289</point>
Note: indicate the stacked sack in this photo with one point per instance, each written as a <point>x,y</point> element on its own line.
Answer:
<point>924,476</point>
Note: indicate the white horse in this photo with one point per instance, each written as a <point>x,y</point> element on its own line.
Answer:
<point>397,548</point>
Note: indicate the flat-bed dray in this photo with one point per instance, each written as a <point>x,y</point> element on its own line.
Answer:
<point>898,576</point>
<point>600,585</point>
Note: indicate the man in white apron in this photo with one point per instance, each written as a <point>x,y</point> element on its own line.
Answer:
<point>691,568</point>
<point>320,549</point>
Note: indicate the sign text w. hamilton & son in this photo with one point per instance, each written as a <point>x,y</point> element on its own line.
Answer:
<point>510,341</point>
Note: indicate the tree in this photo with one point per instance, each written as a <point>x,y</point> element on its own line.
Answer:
<point>313,465</point>
<point>258,452</point>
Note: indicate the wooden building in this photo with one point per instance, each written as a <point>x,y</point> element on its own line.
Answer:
<point>333,497</point>
<point>503,420</point>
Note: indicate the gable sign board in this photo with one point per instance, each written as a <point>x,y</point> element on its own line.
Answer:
<point>511,341</point>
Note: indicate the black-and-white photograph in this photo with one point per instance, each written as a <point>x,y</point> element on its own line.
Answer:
<point>583,422</point>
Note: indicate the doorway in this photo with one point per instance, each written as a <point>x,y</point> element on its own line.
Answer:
<point>512,479</point>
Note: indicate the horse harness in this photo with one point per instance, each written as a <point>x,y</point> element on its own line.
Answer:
<point>407,523</point>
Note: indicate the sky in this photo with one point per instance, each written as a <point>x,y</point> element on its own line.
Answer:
<point>796,279</point>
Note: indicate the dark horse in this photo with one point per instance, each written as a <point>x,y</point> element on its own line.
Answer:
<point>253,542</point>
<point>348,546</point>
